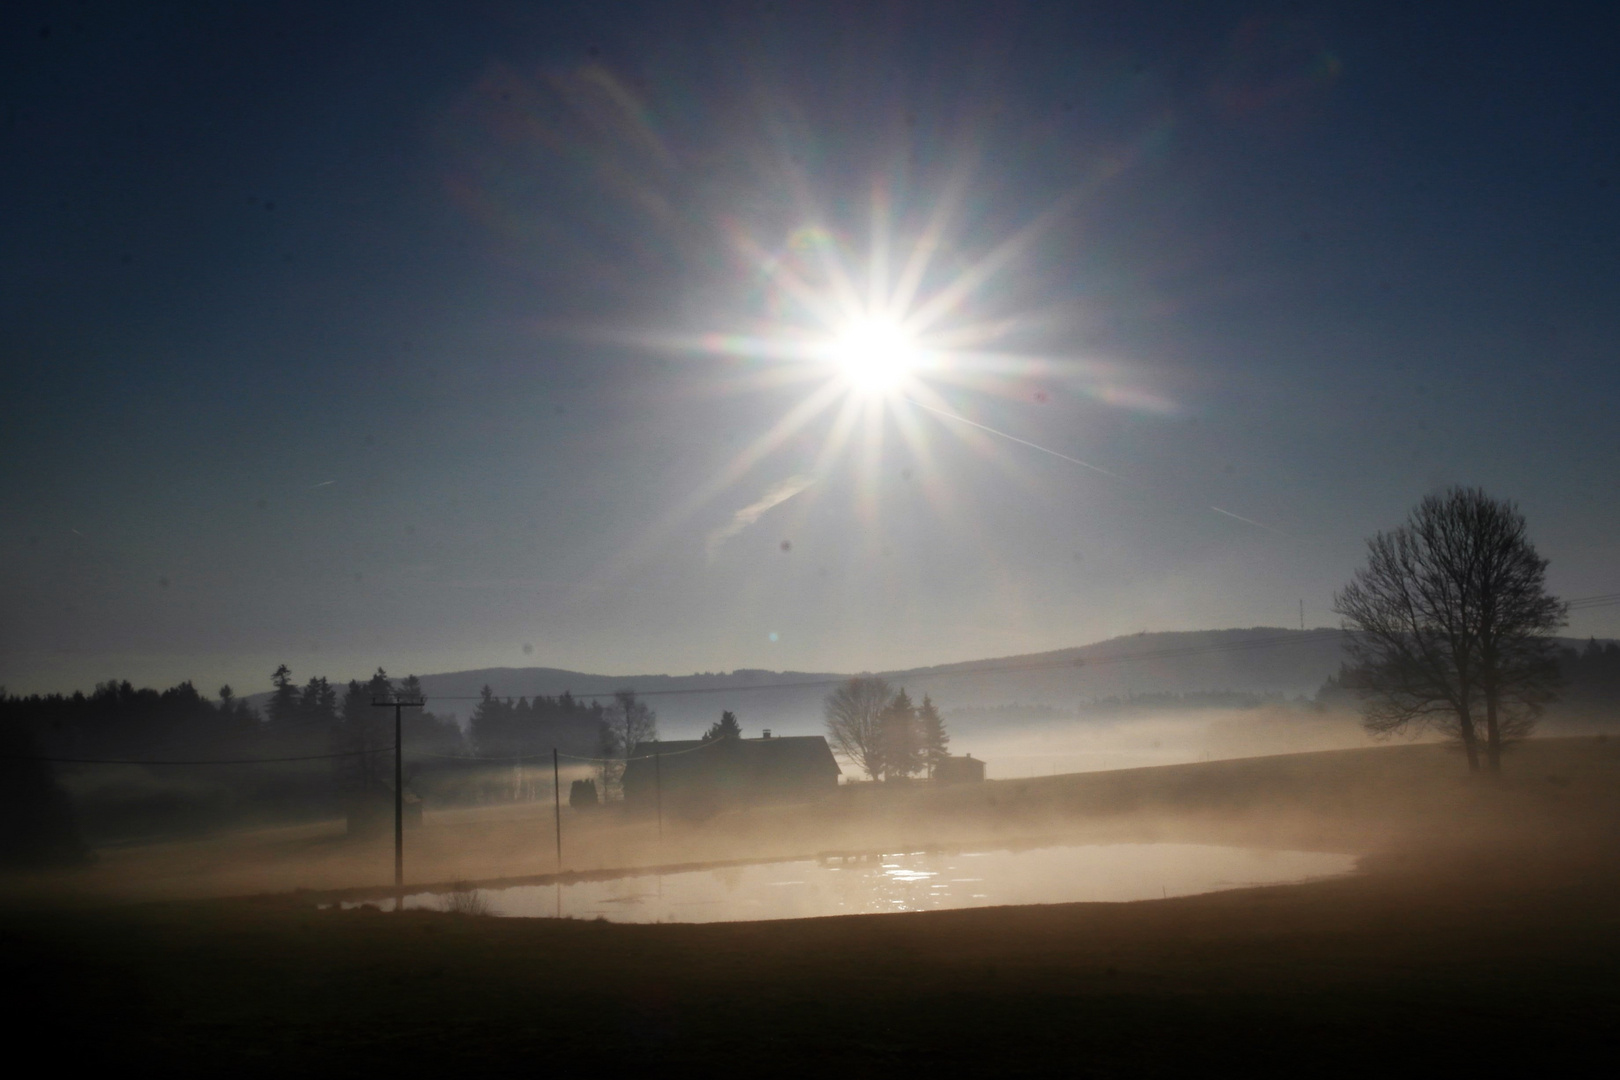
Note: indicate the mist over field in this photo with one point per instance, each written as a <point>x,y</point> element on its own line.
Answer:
<point>1143,699</point>
<point>840,538</point>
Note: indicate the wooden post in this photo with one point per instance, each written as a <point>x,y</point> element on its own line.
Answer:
<point>399,708</point>
<point>556,793</point>
<point>658,791</point>
<point>399,807</point>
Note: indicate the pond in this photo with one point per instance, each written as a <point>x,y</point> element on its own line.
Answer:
<point>914,881</point>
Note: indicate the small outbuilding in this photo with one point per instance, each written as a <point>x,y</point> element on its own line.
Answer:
<point>582,795</point>
<point>960,770</point>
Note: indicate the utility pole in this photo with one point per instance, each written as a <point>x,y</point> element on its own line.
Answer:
<point>1302,614</point>
<point>399,708</point>
<point>658,792</point>
<point>556,798</point>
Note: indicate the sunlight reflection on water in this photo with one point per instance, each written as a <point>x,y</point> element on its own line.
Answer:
<point>918,881</point>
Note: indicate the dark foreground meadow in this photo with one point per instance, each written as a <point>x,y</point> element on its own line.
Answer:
<point>1482,934</point>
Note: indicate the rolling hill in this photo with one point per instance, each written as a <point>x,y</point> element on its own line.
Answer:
<point>1260,660</point>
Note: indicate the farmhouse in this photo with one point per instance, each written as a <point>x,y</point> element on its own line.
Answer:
<point>959,770</point>
<point>708,775</point>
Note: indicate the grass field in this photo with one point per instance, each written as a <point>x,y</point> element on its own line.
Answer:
<point>1483,932</point>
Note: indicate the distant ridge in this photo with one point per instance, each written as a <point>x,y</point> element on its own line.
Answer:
<point>1269,660</point>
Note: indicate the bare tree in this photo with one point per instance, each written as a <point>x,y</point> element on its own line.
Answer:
<point>1449,625</point>
<point>627,724</point>
<point>609,766</point>
<point>854,712</point>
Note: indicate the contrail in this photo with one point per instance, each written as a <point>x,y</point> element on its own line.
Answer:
<point>1073,460</point>
<point>323,483</point>
<point>1014,438</point>
<point>751,513</point>
<point>1247,521</point>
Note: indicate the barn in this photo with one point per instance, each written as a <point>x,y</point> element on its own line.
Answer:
<point>708,776</point>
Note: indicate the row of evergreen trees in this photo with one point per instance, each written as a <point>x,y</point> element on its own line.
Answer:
<point>118,720</point>
<point>347,720</point>
<point>527,727</point>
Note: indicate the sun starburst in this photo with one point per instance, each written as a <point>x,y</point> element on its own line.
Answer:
<point>878,353</point>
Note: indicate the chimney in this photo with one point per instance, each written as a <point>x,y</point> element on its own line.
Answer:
<point>767,733</point>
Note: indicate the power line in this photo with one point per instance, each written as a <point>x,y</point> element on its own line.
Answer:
<point>226,737</point>
<point>516,758</point>
<point>217,761</point>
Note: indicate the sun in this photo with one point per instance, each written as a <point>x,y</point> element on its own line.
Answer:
<point>875,356</point>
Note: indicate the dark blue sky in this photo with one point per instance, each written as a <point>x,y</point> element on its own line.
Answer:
<point>350,336</point>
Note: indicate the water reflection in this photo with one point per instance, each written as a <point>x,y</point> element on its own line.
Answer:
<point>915,881</point>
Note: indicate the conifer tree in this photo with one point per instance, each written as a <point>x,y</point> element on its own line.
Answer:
<point>931,733</point>
<point>902,748</point>
<point>724,728</point>
<point>284,700</point>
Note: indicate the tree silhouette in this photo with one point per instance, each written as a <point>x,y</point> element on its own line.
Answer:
<point>931,734</point>
<point>901,745</point>
<point>317,703</point>
<point>627,723</point>
<point>283,705</point>
<point>853,711</point>
<point>724,728</point>
<point>1450,625</point>
<point>410,689</point>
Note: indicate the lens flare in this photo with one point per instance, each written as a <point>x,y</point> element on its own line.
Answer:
<point>875,356</point>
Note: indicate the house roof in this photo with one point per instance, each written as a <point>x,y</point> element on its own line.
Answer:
<point>780,758</point>
<point>776,746</point>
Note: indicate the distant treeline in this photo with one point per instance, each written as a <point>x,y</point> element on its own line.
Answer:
<point>533,727</point>
<point>1120,705</point>
<point>118,721</point>
<point>1591,677</point>
<point>1195,699</point>
<point>315,750</point>
<point>1588,683</point>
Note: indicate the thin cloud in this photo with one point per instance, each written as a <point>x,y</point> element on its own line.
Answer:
<point>757,509</point>
<point>1248,521</point>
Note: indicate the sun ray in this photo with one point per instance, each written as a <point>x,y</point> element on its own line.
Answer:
<point>869,472</point>
<point>1014,438</point>
<point>826,310</point>
<point>923,251</point>
<point>839,436</point>
<point>875,338</point>
<point>974,277</point>
<point>845,297</point>
<point>935,490</point>
<point>877,269</point>
<point>656,535</point>
<point>1017,472</point>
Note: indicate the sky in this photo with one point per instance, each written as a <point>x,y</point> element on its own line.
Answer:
<point>441,336</point>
